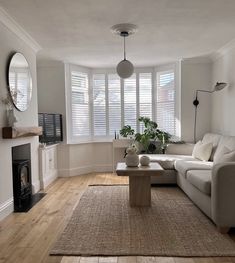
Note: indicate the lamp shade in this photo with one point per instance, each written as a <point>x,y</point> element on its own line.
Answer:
<point>125,69</point>
<point>220,86</point>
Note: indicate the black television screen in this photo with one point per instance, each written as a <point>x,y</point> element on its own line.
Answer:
<point>51,124</point>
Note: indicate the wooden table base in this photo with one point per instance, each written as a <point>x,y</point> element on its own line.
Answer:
<point>140,191</point>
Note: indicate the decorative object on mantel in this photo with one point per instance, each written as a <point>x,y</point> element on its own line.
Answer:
<point>17,132</point>
<point>132,159</point>
<point>144,160</point>
<point>218,86</point>
<point>10,114</point>
<point>124,68</point>
<point>11,118</point>
<point>19,81</point>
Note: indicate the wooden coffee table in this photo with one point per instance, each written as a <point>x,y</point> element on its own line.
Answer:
<point>139,182</point>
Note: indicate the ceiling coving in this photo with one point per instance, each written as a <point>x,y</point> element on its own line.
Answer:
<point>78,31</point>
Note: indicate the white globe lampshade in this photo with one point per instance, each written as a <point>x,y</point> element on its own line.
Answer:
<point>125,69</point>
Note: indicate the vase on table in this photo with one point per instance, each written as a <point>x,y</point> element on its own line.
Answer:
<point>132,158</point>
<point>144,160</point>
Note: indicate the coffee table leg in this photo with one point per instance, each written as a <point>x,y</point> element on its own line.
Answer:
<point>139,191</point>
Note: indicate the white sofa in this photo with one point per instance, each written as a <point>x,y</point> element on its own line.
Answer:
<point>210,187</point>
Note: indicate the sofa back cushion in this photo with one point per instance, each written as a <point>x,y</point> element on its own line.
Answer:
<point>225,155</point>
<point>214,139</point>
<point>225,141</point>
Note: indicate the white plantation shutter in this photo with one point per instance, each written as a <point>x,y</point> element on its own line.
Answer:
<point>114,103</point>
<point>80,104</point>
<point>99,105</point>
<point>145,96</point>
<point>117,102</point>
<point>165,108</point>
<point>130,101</point>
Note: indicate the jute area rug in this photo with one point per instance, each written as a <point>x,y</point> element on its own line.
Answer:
<point>103,224</point>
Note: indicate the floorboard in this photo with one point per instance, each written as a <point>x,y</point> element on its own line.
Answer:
<point>28,237</point>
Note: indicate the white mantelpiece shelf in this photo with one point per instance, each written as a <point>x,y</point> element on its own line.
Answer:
<point>18,132</point>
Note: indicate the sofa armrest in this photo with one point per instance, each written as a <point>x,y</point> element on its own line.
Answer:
<point>223,194</point>
<point>182,148</point>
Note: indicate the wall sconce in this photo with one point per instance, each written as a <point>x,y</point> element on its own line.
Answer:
<point>218,86</point>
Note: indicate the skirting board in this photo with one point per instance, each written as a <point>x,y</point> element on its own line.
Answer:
<point>36,186</point>
<point>6,208</point>
<point>47,180</point>
<point>85,170</point>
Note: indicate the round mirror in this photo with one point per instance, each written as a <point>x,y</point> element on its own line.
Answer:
<point>20,81</point>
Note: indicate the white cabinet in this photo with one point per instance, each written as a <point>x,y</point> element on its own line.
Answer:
<point>48,165</point>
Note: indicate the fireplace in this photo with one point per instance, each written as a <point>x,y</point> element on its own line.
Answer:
<point>22,185</point>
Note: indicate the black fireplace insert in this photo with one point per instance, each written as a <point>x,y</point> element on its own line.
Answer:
<point>24,200</point>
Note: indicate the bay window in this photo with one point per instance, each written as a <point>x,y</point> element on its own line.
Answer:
<point>102,103</point>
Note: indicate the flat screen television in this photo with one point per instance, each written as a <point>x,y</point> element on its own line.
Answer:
<point>51,124</point>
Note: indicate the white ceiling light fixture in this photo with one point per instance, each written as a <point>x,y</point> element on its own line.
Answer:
<point>124,68</point>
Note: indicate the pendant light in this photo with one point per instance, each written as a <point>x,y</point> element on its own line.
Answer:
<point>124,68</point>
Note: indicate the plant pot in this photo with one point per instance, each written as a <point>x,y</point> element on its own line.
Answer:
<point>132,160</point>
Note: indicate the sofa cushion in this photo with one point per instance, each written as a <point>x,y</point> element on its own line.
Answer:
<point>224,155</point>
<point>202,151</point>
<point>167,161</point>
<point>180,148</point>
<point>183,166</point>
<point>214,139</point>
<point>225,141</point>
<point>201,179</point>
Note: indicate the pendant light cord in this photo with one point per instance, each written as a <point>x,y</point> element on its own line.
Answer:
<point>124,47</point>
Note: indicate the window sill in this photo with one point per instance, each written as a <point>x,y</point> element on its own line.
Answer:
<point>107,140</point>
<point>100,140</point>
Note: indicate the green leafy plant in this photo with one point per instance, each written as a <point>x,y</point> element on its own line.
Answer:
<point>127,131</point>
<point>150,135</point>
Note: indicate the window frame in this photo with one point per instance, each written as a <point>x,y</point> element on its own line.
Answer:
<point>71,139</point>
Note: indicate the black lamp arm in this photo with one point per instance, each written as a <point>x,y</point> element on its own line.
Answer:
<point>196,101</point>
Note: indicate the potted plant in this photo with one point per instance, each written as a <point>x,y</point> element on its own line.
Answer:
<point>127,131</point>
<point>152,139</point>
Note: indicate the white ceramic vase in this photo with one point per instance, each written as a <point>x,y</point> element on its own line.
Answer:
<point>11,118</point>
<point>144,160</point>
<point>132,160</point>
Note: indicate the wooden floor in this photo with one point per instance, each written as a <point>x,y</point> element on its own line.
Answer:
<point>28,237</point>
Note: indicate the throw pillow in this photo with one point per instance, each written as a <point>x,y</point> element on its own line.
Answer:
<point>202,151</point>
<point>224,155</point>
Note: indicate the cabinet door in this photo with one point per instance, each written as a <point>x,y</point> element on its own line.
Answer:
<point>51,163</point>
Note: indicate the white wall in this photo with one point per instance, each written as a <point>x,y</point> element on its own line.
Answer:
<point>51,88</point>
<point>11,43</point>
<point>76,159</point>
<point>223,102</point>
<point>195,74</point>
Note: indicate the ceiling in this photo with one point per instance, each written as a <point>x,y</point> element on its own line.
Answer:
<point>78,31</point>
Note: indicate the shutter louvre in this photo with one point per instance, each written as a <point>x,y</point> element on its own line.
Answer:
<point>114,91</point>
<point>80,104</point>
<point>145,96</point>
<point>130,101</point>
<point>166,101</point>
<point>99,105</point>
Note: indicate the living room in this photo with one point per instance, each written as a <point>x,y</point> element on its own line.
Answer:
<point>181,49</point>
